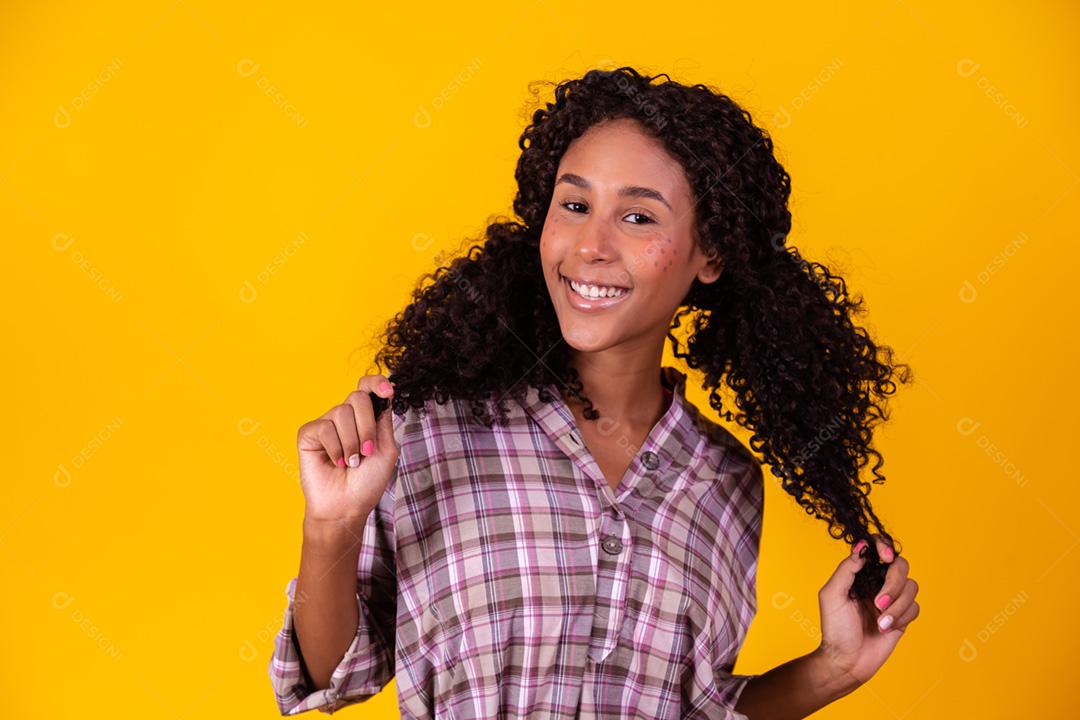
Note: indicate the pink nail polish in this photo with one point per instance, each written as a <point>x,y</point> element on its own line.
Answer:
<point>887,555</point>
<point>385,386</point>
<point>883,602</point>
<point>341,462</point>
<point>858,547</point>
<point>367,447</point>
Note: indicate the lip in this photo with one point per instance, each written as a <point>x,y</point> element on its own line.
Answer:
<point>580,303</point>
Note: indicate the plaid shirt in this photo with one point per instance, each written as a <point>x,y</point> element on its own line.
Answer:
<point>502,576</point>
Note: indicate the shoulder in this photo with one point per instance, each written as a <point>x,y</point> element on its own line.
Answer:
<point>735,482</point>
<point>437,430</point>
<point>724,453</point>
<point>732,495</point>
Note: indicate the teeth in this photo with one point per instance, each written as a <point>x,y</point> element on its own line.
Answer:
<point>593,291</point>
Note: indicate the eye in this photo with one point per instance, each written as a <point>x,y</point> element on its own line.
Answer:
<point>646,220</point>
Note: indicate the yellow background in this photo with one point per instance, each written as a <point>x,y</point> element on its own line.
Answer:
<point>208,210</point>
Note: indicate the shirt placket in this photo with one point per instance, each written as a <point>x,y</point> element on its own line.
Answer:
<point>613,562</point>
<point>613,574</point>
<point>613,556</point>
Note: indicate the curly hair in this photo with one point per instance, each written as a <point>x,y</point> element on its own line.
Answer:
<point>778,329</point>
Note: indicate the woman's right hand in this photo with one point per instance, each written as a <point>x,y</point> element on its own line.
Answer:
<point>335,489</point>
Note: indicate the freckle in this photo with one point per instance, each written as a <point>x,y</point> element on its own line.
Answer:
<point>656,264</point>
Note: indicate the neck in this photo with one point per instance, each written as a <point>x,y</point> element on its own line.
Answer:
<point>624,388</point>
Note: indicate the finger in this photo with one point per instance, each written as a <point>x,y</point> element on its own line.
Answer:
<point>895,577</point>
<point>364,417</point>
<point>839,583</point>
<point>344,418</point>
<point>324,435</point>
<point>884,550</point>
<point>896,609</point>
<point>381,386</point>
<point>907,617</point>
<point>379,389</point>
<point>377,384</point>
<point>387,443</point>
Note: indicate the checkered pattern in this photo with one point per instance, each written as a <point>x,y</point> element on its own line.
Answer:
<point>501,575</point>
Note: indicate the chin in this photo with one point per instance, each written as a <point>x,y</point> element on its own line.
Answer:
<point>585,338</point>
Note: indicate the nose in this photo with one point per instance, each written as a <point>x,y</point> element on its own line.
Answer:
<point>594,243</point>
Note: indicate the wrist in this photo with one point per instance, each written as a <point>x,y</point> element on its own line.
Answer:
<point>336,534</point>
<point>829,674</point>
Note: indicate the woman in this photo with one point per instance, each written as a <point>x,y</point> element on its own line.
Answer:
<point>543,525</point>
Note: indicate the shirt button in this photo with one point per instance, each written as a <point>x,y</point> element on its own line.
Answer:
<point>650,459</point>
<point>612,545</point>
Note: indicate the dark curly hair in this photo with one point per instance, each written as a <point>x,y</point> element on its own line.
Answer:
<point>777,329</point>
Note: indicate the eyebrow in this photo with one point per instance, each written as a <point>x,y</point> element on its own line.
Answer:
<point>625,190</point>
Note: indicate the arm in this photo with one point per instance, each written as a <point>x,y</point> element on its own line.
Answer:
<point>336,646</point>
<point>326,616</point>
<point>795,689</point>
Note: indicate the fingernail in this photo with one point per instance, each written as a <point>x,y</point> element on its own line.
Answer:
<point>882,602</point>
<point>885,622</point>
<point>386,387</point>
<point>887,555</point>
<point>354,460</point>
<point>341,462</point>
<point>858,548</point>
<point>367,447</point>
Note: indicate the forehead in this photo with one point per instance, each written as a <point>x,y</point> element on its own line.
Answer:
<point>619,152</point>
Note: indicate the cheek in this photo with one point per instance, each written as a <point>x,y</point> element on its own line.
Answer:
<point>550,225</point>
<point>660,256</point>
<point>660,266</point>
<point>549,236</point>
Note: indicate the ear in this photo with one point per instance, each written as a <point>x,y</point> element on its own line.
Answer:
<point>711,270</point>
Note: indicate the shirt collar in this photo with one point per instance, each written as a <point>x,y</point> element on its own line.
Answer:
<point>675,438</point>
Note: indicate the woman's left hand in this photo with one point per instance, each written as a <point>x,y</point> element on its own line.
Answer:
<point>857,636</point>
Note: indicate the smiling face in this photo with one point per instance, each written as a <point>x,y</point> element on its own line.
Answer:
<point>621,216</point>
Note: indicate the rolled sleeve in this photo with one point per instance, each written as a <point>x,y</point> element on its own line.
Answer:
<point>731,686</point>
